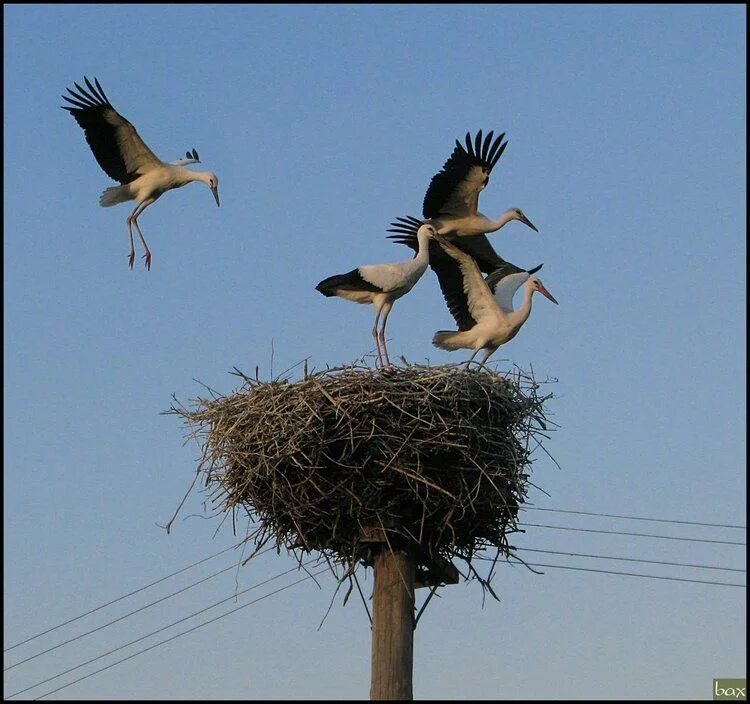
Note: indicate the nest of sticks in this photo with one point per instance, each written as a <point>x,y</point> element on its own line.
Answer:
<point>433,459</point>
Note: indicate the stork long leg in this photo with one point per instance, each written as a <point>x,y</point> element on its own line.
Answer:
<point>489,352</point>
<point>375,337</point>
<point>471,359</point>
<point>134,217</point>
<point>131,256</point>
<point>386,310</point>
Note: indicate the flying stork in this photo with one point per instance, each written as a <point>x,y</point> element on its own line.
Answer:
<point>124,157</point>
<point>381,285</point>
<point>452,200</point>
<point>483,308</point>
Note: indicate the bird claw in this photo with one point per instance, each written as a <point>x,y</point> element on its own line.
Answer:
<point>131,259</point>
<point>147,257</point>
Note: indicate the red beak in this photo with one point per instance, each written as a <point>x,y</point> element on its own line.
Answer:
<point>546,293</point>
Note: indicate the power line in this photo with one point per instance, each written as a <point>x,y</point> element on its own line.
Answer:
<point>635,574</point>
<point>566,511</point>
<point>120,618</point>
<point>634,518</point>
<point>221,552</point>
<point>159,630</point>
<point>124,596</point>
<point>200,625</point>
<point>127,615</point>
<point>584,569</point>
<point>633,559</point>
<point>642,535</point>
<point>550,552</point>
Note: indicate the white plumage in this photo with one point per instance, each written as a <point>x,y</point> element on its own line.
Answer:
<point>381,285</point>
<point>483,308</point>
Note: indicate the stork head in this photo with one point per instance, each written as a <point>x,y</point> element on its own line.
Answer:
<point>517,214</point>
<point>426,230</point>
<point>536,284</point>
<point>212,181</point>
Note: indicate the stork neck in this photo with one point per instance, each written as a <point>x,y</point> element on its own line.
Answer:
<point>521,315</point>
<point>503,220</point>
<point>507,287</point>
<point>185,176</point>
<point>423,253</point>
<point>197,176</point>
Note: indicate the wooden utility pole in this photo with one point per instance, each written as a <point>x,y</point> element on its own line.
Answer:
<point>393,625</point>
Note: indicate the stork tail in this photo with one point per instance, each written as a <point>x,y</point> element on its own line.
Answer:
<point>114,195</point>
<point>452,340</point>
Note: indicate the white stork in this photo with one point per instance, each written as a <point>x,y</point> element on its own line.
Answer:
<point>483,308</point>
<point>124,157</point>
<point>452,199</point>
<point>381,285</point>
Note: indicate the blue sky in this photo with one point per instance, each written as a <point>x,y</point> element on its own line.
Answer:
<point>626,128</point>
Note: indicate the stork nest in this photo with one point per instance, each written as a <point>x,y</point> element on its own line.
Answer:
<point>431,459</point>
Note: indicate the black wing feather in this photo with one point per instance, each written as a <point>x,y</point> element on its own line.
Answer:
<point>451,282</point>
<point>494,157</point>
<point>444,183</point>
<point>351,281</point>
<point>486,145</point>
<point>478,144</point>
<point>108,133</point>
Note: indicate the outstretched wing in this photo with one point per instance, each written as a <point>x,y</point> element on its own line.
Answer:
<point>504,282</point>
<point>446,269</point>
<point>454,191</point>
<point>507,269</point>
<point>465,291</point>
<point>116,146</point>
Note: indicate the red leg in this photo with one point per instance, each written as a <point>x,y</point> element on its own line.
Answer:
<point>138,211</point>
<point>490,351</point>
<point>131,256</point>
<point>471,359</point>
<point>375,337</point>
<point>382,335</point>
<point>147,255</point>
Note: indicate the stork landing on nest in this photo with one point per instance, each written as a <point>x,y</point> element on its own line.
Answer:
<point>483,309</point>
<point>124,157</point>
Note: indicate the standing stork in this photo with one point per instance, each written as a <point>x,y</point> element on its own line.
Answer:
<point>124,157</point>
<point>381,285</point>
<point>483,308</point>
